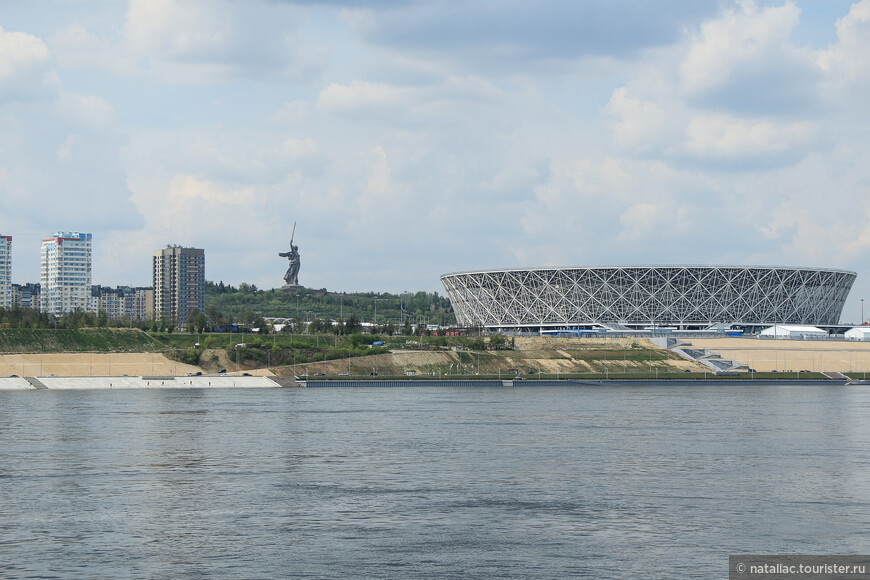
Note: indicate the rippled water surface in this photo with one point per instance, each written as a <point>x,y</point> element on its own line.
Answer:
<point>599,482</point>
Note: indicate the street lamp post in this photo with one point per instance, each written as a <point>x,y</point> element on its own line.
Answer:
<point>862,311</point>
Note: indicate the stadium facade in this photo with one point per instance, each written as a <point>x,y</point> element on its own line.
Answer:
<point>638,297</point>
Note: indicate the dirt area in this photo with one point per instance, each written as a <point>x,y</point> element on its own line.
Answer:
<point>91,365</point>
<point>791,355</point>
<point>115,365</point>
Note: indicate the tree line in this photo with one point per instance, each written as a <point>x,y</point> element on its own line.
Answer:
<point>309,310</point>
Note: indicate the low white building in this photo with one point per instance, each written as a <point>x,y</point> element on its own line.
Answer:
<point>861,333</point>
<point>798,331</point>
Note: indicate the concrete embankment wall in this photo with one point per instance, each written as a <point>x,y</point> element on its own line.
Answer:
<point>145,382</point>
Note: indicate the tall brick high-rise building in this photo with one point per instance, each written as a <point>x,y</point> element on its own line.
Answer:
<point>179,283</point>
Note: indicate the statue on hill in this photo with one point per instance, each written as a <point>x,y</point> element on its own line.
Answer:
<point>291,278</point>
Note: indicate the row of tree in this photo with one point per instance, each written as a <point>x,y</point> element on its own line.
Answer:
<point>214,320</point>
<point>17,317</point>
<point>306,303</point>
<point>311,311</point>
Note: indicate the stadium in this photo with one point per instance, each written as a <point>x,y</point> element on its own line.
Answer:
<point>648,297</point>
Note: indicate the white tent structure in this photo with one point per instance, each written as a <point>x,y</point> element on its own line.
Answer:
<point>861,333</point>
<point>797,331</point>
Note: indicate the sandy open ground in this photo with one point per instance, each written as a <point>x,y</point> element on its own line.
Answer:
<point>91,365</point>
<point>791,355</point>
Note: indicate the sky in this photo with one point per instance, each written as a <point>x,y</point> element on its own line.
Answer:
<point>409,139</point>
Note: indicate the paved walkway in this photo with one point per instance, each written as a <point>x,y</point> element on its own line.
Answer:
<point>106,383</point>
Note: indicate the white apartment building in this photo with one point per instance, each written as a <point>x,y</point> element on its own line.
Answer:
<point>65,273</point>
<point>5,271</point>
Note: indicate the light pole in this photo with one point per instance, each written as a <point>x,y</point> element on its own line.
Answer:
<point>862,311</point>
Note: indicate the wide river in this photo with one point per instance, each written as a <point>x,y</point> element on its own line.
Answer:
<point>528,482</point>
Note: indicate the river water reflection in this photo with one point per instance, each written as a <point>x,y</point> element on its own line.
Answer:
<point>602,482</point>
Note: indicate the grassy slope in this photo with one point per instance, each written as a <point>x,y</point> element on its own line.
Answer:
<point>13,340</point>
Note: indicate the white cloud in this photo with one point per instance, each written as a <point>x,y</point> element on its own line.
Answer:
<point>736,95</point>
<point>646,220</point>
<point>87,110</point>
<point>361,95</point>
<point>642,126</point>
<point>378,187</point>
<point>510,178</point>
<point>804,238</point>
<point>214,40</point>
<point>515,34</point>
<point>78,48</point>
<point>580,180</point>
<point>747,38</point>
<point>292,113</point>
<point>744,61</point>
<point>724,137</point>
<point>298,148</point>
<point>848,61</point>
<point>24,66</point>
<point>556,133</point>
<point>65,152</point>
<point>19,52</point>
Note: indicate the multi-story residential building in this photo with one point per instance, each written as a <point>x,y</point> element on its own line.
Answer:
<point>139,304</point>
<point>25,295</point>
<point>66,272</point>
<point>5,271</point>
<point>179,283</point>
<point>106,300</point>
<point>122,302</point>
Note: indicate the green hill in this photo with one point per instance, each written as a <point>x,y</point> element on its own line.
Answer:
<point>246,303</point>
